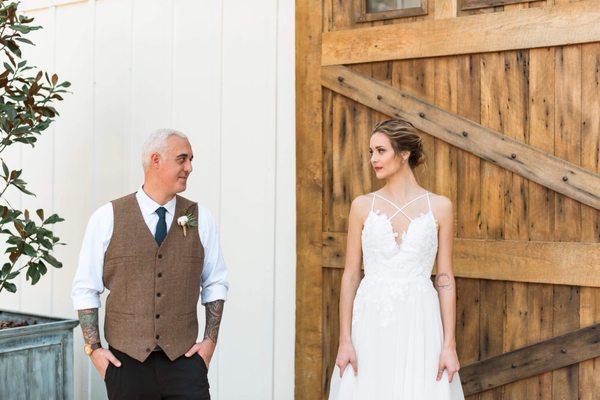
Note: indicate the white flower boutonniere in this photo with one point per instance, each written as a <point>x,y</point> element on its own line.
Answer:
<point>186,220</point>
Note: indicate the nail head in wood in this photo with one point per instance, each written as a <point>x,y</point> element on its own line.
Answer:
<point>422,114</point>
<point>465,134</point>
<point>513,155</point>
<point>340,79</point>
<point>565,178</point>
<point>379,97</point>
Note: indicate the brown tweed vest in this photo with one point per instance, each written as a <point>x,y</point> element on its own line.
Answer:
<point>153,290</point>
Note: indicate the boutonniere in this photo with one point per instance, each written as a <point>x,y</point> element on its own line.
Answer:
<point>187,220</point>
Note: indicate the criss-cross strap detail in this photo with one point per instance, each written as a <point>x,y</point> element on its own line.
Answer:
<point>401,209</point>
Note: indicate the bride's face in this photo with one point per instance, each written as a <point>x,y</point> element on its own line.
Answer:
<point>384,159</point>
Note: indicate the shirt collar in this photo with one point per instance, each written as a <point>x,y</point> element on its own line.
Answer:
<point>149,206</point>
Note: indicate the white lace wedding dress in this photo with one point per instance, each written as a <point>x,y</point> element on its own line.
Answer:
<point>397,329</point>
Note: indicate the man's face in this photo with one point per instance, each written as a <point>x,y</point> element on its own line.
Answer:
<point>175,165</point>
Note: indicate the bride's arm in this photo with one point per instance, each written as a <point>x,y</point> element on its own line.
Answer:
<point>446,285</point>
<point>350,281</point>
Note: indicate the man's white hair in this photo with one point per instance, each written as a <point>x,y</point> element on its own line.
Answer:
<point>157,143</point>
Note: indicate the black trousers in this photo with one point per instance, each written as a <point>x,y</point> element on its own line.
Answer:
<point>157,378</point>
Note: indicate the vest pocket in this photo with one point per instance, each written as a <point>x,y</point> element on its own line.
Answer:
<point>116,275</point>
<point>193,267</point>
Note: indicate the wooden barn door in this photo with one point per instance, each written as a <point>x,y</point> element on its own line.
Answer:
<point>507,98</point>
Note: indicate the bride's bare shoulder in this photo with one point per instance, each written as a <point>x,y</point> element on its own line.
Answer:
<point>441,205</point>
<point>361,205</point>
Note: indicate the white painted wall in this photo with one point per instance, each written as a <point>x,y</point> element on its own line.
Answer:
<point>223,73</point>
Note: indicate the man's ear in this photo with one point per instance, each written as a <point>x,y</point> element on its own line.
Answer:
<point>154,158</point>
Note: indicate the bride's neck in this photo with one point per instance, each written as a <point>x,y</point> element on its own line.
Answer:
<point>402,184</point>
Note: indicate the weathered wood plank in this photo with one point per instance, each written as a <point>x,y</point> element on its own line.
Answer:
<point>535,27</point>
<point>559,263</point>
<point>308,352</point>
<point>567,145</point>
<point>560,175</point>
<point>549,355</point>
<point>492,309</point>
<point>468,212</point>
<point>540,212</point>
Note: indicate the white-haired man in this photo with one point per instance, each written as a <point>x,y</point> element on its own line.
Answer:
<point>155,251</point>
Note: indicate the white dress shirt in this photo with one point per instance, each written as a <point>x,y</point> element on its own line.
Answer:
<point>88,284</point>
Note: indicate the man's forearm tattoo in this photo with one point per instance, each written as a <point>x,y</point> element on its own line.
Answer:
<point>443,281</point>
<point>88,319</point>
<point>214,312</point>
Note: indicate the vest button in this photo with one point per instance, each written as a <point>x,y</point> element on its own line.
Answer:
<point>160,256</point>
<point>157,294</point>
<point>157,316</point>
<point>160,274</point>
<point>157,336</point>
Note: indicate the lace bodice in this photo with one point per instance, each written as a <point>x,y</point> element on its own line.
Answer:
<point>393,268</point>
<point>415,255</point>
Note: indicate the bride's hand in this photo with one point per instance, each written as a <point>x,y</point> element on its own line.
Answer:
<point>449,361</point>
<point>345,355</point>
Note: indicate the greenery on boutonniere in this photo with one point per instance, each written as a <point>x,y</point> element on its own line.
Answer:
<point>187,220</point>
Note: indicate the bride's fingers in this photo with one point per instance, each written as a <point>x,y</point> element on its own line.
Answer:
<point>354,366</point>
<point>342,368</point>
<point>450,375</point>
<point>440,372</point>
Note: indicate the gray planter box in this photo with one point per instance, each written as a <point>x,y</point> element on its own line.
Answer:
<point>36,361</point>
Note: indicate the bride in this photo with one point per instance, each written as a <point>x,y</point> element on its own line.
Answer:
<point>397,328</point>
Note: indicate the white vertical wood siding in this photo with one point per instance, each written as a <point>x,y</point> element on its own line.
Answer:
<point>223,73</point>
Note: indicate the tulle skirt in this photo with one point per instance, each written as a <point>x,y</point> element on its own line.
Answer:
<point>398,358</point>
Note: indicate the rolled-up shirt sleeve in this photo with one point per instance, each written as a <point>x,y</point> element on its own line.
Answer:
<point>87,283</point>
<point>214,272</point>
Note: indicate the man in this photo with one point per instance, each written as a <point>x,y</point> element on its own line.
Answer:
<point>154,250</point>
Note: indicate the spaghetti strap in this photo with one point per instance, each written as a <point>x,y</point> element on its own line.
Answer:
<point>400,209</point>
<point>372,201</point>
<point>428,201</point>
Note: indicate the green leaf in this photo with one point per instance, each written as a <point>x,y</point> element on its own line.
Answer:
<point>40,213</point>
<point>10,287</point>
<point>6,268</point>
<point>52,261</point>
<point>20,39</point>
<point>54,218</point>
<point>42,267</point>
<point>28,250</point>
<point>5,169</point>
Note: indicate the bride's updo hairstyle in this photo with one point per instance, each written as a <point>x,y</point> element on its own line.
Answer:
<point>403,136</point>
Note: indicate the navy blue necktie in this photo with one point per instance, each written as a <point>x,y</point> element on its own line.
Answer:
<point>161,227</point>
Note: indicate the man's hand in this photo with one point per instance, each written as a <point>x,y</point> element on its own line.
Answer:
<point>205,349</point>
<point>101,358</point>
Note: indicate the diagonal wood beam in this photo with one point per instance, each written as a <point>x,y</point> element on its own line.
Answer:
<point>528,161</point>
<point>555,25</point>
<point>560,351</point>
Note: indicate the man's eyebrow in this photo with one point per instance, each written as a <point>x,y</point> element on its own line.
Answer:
<point>183,155</point>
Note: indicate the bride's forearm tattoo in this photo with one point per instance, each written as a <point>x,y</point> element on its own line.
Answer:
<point>88,319</point>
<point>443,281</point>
<point>214,312</point>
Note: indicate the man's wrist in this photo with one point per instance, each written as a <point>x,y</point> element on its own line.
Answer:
<point>90,347</point>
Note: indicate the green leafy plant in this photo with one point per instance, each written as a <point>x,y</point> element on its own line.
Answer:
<point>27,95</point>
